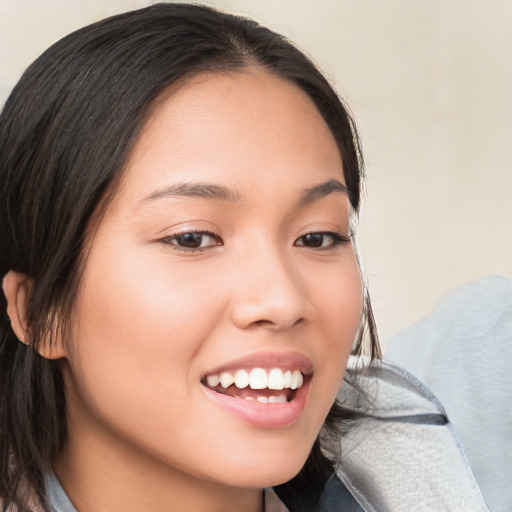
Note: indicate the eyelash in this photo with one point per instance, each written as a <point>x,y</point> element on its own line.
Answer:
<point>336,240</point>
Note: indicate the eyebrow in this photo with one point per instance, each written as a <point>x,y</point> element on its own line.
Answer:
<point>204,190</point>
<point>219,192</point>
<point>316,192</point>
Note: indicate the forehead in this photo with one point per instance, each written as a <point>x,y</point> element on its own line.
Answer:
<point>239,126</point>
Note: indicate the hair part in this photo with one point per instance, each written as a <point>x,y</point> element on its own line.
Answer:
<point>66,132</point>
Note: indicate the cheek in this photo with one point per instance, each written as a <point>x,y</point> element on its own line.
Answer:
<point>339,302</point>
<point>133,360</point>
<point>139,328</point>
<point>140,301</point>
<point>338,296</point>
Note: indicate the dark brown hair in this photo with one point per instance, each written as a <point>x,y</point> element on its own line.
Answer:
<point>65,132</point>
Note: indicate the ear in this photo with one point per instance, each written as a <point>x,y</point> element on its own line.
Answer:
<point>17,289</point>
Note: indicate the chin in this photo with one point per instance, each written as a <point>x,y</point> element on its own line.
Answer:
<point>278,467</point>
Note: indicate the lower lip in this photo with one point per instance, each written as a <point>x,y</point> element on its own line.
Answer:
<point>269,415</point>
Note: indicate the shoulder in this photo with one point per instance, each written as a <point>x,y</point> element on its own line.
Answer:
<point>402,453</point>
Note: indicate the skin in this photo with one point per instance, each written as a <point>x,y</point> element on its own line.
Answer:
<point>151,318</point>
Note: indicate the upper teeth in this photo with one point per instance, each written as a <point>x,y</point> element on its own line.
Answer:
<point>258,378</point>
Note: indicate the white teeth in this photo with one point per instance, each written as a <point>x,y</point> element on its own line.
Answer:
<point>297,379</point>
<point>267,399</point>
<point>213,380</point>
<point>258,378</point>
<point>241,379</point>
<point>226,379</point>
<point>275,379</point>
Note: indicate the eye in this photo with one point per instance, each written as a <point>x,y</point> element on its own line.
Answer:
<point>192,240</point>
<point>322,240</point>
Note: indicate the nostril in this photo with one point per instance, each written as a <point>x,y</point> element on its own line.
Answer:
<point>262,322</point>
<point>300,321</point>
<point>270,323</point>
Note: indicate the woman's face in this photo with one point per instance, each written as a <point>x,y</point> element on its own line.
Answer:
<point>225,254</point>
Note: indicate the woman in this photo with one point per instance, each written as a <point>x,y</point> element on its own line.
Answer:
<point>181,289</point>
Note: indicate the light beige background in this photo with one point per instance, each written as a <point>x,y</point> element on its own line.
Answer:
<point>430,84</point>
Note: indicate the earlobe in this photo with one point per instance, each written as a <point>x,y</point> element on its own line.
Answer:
<point>17,289</point>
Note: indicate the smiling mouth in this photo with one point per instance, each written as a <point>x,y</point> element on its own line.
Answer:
<point>273,385</point>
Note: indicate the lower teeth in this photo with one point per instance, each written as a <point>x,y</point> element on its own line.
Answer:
<point>277,399</point>
<point>267,399</point>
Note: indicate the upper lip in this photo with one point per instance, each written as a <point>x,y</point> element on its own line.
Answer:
<point>289,360</point>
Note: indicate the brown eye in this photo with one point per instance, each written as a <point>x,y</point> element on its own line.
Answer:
<point>313,239</point>
<point>192,240</point>
<point>189,240</point>
<point>322,240</point>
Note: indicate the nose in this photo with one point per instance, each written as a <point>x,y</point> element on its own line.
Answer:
<point>270,293</point>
